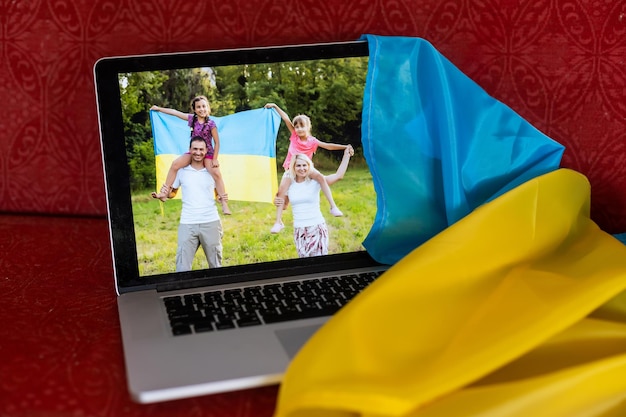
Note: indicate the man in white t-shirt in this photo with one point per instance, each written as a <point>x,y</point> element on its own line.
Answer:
<point>200,224</point>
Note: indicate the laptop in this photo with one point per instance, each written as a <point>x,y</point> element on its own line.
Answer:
<point>212,330</point>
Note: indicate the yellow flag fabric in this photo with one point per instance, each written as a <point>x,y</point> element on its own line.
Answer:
<point>246,177</point>
<point>515,310</point>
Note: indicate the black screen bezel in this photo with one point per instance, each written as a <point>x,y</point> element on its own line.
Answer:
<point>116,170</point>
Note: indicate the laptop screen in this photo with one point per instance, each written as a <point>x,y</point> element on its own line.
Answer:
<point>324,82</point>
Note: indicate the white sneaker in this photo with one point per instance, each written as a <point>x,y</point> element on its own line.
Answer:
<point>336,212</point>
<point>277,227</point>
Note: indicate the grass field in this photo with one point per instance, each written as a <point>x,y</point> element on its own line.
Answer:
<point>246,232</point>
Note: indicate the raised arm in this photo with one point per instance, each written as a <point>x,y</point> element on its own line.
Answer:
<point>331,146</point>
<point>172,112</point>
<point>343,166</point>
<point>282,114</point>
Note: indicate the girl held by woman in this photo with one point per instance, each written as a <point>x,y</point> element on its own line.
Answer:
<point>301,142</point>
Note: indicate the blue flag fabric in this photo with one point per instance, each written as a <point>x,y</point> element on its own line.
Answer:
<point>437,144</point>
<point>247,150</point>
<point>621,237</point>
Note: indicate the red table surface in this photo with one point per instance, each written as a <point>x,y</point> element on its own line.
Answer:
<point>60,339</point>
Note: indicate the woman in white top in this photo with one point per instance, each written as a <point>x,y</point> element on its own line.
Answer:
<point>310,232</point>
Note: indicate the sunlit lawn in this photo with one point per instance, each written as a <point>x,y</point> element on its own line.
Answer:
<point>246,232</point>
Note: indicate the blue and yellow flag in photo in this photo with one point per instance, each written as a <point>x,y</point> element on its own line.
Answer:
<point>247,151</point>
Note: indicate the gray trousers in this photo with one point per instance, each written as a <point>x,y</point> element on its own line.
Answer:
<point>192,236</point>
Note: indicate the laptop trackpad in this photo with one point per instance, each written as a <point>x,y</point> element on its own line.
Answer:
<point>293,339</point>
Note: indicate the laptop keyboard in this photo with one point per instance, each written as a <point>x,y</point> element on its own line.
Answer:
<point>263,304</point>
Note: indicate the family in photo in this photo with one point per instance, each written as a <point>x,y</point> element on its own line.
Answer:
<point>197,173</point>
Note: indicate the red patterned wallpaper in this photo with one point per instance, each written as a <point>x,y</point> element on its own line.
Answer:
<point>559,63</point>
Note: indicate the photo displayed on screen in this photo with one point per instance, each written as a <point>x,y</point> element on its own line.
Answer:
<point>253,107</point>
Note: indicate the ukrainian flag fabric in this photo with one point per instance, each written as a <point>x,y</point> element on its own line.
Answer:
<point>516,310</point>
<point>247,153</point>
<point>437,144</point>
<point>504,299</point>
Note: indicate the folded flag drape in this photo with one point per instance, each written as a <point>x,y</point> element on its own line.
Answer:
<point>437,144</point>
<point>504,298</point>
<point>517,309</point>
<point>247,151</point>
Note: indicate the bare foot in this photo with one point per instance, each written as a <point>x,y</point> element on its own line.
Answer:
<point>163,194</point>
<point>224,200</point>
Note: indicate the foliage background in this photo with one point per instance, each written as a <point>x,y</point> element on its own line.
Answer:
<point>330,92</point>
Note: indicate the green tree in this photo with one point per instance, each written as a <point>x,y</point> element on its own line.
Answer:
<point>142,166</point>
<point>330,92</point>
<point>139,91</point>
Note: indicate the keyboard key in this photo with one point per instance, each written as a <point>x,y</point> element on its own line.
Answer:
<point>203,326</point>
<point>223,325</point>
<point>181,329</point>
<point>245,320</point>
